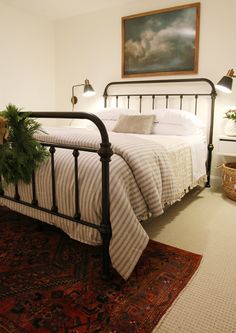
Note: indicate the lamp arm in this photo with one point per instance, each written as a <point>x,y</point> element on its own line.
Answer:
<point>74,99</point>
<point>76,85</point>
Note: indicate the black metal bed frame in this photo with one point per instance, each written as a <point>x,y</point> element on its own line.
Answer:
<point>105,152</point>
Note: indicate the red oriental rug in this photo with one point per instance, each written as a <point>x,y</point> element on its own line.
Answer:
<point>50,283</point>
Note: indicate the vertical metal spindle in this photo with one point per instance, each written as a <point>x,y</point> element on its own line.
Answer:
<point>167,100</point>
<point>105,101</point>
<point>16,196</point>
<point>128,97</point>
<point>34,201</point>
<point>54,206</point>
<point>140,103</point>
<point>117,101</point>
<point>77,210</point>
<point>153,101</point>
<point>1,187</point>
<point>181,102</point>
<point>196,100</point>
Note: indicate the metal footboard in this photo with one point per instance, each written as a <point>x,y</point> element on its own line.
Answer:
<point>105,153</point>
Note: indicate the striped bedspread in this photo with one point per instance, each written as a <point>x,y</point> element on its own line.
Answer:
<point>144,177</point>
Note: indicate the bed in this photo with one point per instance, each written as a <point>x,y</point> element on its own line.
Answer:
<point>99,184</point>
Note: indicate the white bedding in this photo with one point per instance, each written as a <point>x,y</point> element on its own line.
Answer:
<point>197,145</point>
<point>146,174</point>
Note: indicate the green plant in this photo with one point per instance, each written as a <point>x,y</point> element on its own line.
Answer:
<point>20,153</point>
<point>231,114</point>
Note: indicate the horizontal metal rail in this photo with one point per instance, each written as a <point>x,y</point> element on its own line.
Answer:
<point>67,217</point>
<point>88,149</point>
<point>150,95</point>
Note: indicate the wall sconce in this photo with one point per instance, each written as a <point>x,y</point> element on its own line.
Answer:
<point>225,84</point>
<point>88,91</point>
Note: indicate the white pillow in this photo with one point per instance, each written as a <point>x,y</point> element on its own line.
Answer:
<point>175,129</point>
<point>106,115</point>
<point>80,123</point>
<point>176,116</point>
<point>109,116</point>
<point>109,124</point>
<point>113,113</point>
<point>89,125</point>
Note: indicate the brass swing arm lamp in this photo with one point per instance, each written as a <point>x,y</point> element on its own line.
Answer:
<point>88,91</point>
<point>226,83</point>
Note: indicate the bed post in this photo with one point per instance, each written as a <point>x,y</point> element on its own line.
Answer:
<point>210,146</point>
<point>105,153</point>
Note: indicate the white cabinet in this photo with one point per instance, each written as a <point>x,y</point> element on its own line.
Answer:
<point>227,145</point>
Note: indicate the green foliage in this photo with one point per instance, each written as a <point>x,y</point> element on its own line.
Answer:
<point>20,154</point>
<point>231,114</point>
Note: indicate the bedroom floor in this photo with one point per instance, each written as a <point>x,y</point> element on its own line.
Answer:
<point>203,222</point>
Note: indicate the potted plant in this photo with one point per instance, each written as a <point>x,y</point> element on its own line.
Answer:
<point>20,152</point>
<point>230,127</point>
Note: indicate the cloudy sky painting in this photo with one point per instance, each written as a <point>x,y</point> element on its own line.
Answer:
<point>160,42</point>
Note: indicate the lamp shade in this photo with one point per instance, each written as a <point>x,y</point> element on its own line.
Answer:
<point>225,84</point>
<point>88,89</point>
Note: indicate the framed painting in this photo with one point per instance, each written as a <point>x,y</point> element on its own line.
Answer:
<point>161,42</point>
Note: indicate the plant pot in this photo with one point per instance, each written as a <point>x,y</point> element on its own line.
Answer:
<point>230,128</point>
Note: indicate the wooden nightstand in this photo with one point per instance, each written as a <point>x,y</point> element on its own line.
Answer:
<point>226,145</point>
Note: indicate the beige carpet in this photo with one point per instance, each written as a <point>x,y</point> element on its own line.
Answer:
<point>203,222</point>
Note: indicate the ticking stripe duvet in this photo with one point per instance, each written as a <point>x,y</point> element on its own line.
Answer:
<point>145,176</point>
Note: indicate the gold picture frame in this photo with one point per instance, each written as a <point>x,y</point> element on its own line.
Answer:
<point>161,42</point>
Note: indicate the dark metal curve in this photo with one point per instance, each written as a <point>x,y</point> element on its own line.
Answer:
<point>75,115</point>
<point>105,94</point>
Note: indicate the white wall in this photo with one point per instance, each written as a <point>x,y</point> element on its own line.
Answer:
<point>27,69</point>
<point>89,46</point>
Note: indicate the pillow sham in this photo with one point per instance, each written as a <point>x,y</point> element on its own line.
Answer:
<point>138,124</point>
<point>175,129</point>
<point>113,113</point>
<point>105,114</point>
<point>177,116</point>
<point>89,125</point>
<point>109,116</point>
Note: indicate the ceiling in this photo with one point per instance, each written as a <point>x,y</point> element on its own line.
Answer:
<point>59,9</point>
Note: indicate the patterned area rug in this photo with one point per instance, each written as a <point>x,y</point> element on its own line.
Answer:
<point>50,283</point>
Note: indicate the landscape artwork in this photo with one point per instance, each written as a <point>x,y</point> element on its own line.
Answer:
<point>161,42</point>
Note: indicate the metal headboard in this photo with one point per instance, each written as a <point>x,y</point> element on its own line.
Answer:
<point>212,94</point>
